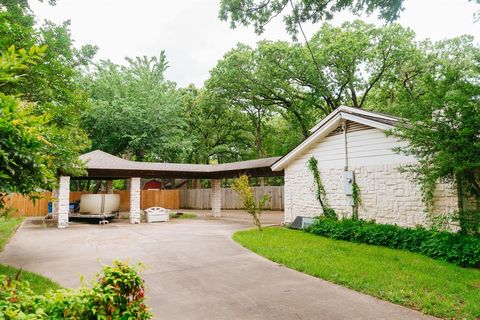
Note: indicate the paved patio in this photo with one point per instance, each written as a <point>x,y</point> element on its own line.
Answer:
<point>194,270</point>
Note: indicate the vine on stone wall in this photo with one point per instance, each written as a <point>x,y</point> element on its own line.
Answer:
<point>321,195</point>
<point>357,200</point>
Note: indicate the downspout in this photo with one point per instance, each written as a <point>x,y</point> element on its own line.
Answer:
<point>344,128</point>
<point>345,168</point>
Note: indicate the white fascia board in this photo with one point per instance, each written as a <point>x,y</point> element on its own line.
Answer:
<point>367,113</point>
<point>368,122</point>
<point>352,111</point>
<point>323,131</point>
<point>325,120</point>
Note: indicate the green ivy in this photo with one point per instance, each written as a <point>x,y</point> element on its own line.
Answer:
<point>321,195</point>
<point>357,200</point>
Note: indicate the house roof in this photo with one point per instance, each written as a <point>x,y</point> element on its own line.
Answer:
<point>330,123</point>
<point>102,165</point>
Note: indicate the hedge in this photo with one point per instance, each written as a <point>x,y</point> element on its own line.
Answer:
<point>456,248</point>
<point>117,294</point>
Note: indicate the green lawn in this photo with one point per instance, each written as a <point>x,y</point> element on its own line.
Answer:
<point>38,283</point>
<point>434,287</point>
<point>7,229</point>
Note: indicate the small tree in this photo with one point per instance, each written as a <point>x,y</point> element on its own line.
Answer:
<point>242,187</point>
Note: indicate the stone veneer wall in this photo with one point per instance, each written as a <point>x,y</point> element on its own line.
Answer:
<point>62,207</point>
<point>388,196</point>
<point>216,198</point>
<point>135,212</point>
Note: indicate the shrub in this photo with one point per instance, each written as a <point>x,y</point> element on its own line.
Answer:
<point>242,187</point>
<point>455,248</point>
<point>118,294</point>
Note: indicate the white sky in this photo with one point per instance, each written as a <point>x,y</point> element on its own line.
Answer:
<point>194,38</point>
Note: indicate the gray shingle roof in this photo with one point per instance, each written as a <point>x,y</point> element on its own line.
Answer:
<point>101,163</point>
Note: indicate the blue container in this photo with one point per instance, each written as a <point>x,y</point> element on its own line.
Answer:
<point>49,207</point>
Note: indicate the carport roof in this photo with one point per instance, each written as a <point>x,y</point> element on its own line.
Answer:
<point>102,165</point>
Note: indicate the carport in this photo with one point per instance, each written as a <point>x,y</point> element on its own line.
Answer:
<point>104,166</point>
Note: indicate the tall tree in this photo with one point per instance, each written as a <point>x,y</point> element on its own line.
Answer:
<point>51,83</point>
<point>135,110</point>
<point>295,12</point>
<point>442,107</point>
<point>350,62</point>
<point>214,131</point>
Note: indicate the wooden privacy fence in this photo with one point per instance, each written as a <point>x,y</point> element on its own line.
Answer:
<point>149,198</point>
<point>200,198</point>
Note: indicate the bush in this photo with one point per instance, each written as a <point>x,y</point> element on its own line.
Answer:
<point>455,248</point>
<point>118,294</point>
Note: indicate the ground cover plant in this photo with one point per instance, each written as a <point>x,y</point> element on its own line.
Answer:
<point>451,247</point>
<point>434,287</point>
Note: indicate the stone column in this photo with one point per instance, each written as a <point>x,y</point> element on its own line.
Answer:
<point>135,200</point>
<point>109,187</point>
<point>63,207</point>
<point>216,198</point>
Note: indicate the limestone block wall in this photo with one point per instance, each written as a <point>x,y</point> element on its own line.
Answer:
<point>62,206</point>
<point>135,211</point>
<point>387,195</point>
<point>216,198</point>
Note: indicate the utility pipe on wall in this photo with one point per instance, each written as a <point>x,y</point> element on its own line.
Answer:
<point>344,128</point>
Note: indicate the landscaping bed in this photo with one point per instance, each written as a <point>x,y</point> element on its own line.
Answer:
<point>434,287</point>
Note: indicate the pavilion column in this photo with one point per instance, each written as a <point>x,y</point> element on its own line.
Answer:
<point>109,187</point>
<point>135,200</point>
<point>216,198</point>
<point>62,208</point>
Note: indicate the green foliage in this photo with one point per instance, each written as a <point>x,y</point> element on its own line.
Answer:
<point>38,284</point>
<point>204,110</point>
<point>320,194</point>
<point>455,248</point>
<point>357,200</point>
<point>39,102</point>
<point>259,13</point>
<point>117,294</point>
<point>7,229</point>
<point>242,187</point>
<point>135,110</point>
<point>434,287</point>
<point>440,103</point>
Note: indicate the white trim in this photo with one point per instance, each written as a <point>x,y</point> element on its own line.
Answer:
<point>351,110</point>
<point>328,124</point>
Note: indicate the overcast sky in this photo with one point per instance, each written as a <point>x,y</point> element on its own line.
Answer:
<point>194,38</point>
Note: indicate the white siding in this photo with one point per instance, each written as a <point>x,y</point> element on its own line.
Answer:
<point>365,147</point>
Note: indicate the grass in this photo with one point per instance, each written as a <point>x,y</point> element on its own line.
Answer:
<point>7,229</point>
<point>38,283</point>
<point>433,287</point>
<point>182,216</point>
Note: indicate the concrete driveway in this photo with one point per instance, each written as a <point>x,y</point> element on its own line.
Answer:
<point>194,270</point>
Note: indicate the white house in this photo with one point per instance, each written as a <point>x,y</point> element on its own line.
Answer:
<point>351,144</point>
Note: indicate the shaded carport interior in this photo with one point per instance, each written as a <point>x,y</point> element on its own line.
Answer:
<point>104,166</point>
